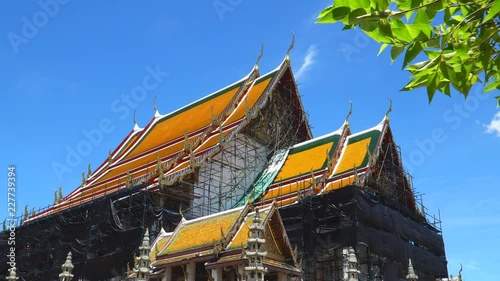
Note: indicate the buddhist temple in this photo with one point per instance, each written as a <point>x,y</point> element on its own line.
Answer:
<point>234,186</point>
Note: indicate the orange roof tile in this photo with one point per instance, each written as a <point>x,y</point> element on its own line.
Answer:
<point>201,232</point>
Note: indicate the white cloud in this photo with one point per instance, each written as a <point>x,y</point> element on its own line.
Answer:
<point>494,126</point>
<point>308,62</point>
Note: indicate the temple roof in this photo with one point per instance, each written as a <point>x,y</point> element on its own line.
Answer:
<point>304,164</point>
<point>323,164</point>
<point>159,243</point>
<point>221,239</point>
<point>358,154</point>
<point>203,232</point>
<point>171,145</point>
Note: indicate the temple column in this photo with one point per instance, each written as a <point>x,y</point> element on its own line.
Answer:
<point>282,276</point>
<point>217,274</point>
<point>167,275</point>
<point>240,275</point>
<point>191,271</point>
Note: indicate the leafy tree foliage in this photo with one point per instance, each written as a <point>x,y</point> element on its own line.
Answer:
<point>458,38</point>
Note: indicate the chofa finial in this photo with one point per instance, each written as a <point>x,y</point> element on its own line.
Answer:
<point>154,104</point>
<point>287,57</point>
<point>389,110</point>
<point>349,114</point>
<point>256,67</point>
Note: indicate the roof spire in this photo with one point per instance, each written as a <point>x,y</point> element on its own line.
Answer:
<point>349,114</point>
<point>66,268</point>
<point>136,127</point>
<point>180,212</point>
<point>287,57</point>
<point>389,110</point>
<point>89,171</point>
<point>256,67</point>
<point>157,113</point>
<point>352,261</point>
<point>12,275</point>
<point>411,272</point>
<point>110,158</point>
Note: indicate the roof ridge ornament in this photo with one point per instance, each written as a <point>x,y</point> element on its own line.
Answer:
<point>83,178</point>
<point>180,212</point>
<point>348,114</point>
<point>89,171</point>
<point>110,157</point>
<point>157,113</point>
<point>136,127</point>
<point>389,110</point>
<point>287,56</point>
<point>256,66</point>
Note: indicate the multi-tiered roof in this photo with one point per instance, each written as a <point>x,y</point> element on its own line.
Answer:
<point>178,145</point>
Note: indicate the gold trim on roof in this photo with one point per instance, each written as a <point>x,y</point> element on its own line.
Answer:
<point>389,110</point>
<point>287,56</point>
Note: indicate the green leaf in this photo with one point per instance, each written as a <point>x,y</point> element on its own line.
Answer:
<point>412,52</point>
<point>415,3</point>
<point>380,5</point>
<point>420,32</point>
<point>355,4</point>
<point>395,52</point>
<point>385,28</point>
<point>353,16</point>
<point>323,13</point>
<point>421,17</point>
<point>382,48</point>
<point>493,85</point>
<point>445,88</point>
<point>431,85</point>
<point>434,42</point>
<point>494,10</point>
<point>419,81</point>
<point>448,12</point>
<point>400,31</point>
<point>432,54</point>
<point>403,5</point>
<point>498,101</point>
<point>339,3</point>
<point>334,15</point>
<point>433,8</point>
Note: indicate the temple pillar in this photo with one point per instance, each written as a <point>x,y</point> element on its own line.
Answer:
<point>217,274</point>
<point>167,275</point>
<point>191,271</point>
<point>241,273</point>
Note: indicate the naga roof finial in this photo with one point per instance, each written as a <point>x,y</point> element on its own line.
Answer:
<point>389,110</point>
<point>136,127</point>
<point>256,67</point>
<point>349,114</point>
<point>180,212</point>
<point>154,104</point>
<point>287,57</point>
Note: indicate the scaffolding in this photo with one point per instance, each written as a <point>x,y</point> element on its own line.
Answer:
<point>225,178</point>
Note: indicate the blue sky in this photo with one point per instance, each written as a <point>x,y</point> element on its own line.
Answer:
<point>69,70</point>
